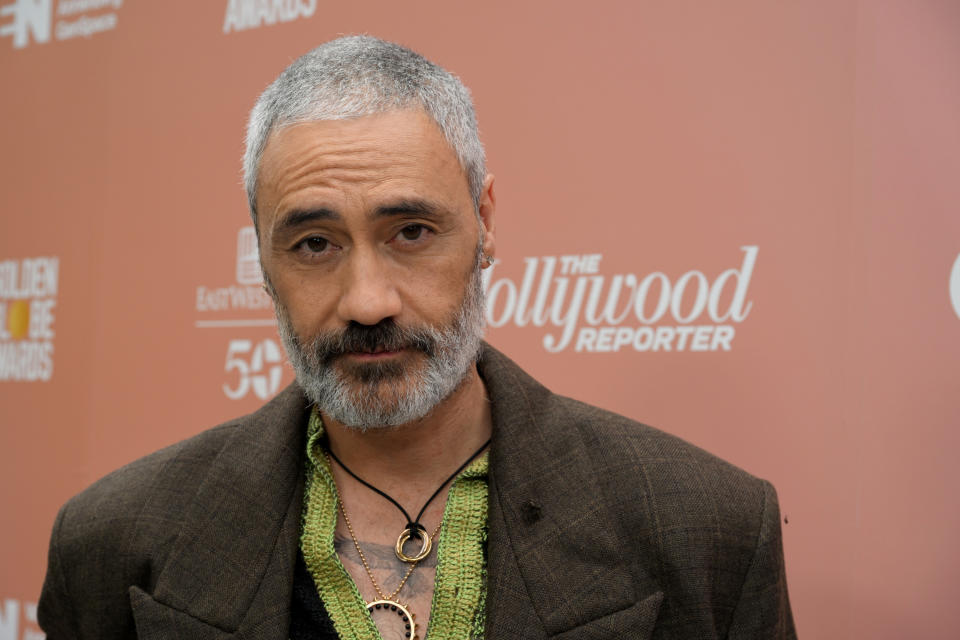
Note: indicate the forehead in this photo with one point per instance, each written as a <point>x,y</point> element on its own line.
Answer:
<point>396,150</point>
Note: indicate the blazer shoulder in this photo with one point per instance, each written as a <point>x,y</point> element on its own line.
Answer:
<point>120,491</point>
<point>100,540</point>
<point>166,480</point>
<point>663,460</point>
<point>621,450</point>
<point>121,530</point>
<point>688,524</point>
<point>710,521</point>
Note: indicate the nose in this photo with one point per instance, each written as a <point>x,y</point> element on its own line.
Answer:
<point>368,294</point>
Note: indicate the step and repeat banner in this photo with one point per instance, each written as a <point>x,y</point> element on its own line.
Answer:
<point>735,221</point>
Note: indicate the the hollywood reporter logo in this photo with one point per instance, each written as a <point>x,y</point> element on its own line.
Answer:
<point>651,312</point>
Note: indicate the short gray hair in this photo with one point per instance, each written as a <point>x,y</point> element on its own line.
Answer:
<point>357,76</point>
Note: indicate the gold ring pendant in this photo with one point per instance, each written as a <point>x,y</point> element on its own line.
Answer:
<point>409,534</point>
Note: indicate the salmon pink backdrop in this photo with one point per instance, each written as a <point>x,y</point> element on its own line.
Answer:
<point>735,221</point>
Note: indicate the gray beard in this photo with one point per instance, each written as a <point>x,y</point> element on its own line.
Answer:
<point>372,395</point>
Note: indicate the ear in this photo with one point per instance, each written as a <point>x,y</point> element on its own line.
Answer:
<point>486,212</point>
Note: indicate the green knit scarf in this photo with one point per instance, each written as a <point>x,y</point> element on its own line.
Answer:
<point>459,595</point>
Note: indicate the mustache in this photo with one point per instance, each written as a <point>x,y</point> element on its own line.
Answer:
<point>386,335</point>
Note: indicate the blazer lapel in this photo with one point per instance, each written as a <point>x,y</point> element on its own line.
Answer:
<point>555,553</point>
<point>230,571</point>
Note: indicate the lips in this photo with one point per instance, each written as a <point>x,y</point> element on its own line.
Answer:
<point>377,350</point>
<point>374,353</point>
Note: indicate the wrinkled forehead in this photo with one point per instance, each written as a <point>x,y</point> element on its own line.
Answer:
<point>409,128</point>
<point>400,148</point>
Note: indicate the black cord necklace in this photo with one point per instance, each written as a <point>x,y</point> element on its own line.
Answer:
<point>413,528</point>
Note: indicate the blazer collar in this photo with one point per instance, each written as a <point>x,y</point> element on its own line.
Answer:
<point>555,551</point>
<point>231,566</point>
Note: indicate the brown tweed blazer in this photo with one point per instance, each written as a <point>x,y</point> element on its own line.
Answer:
<point>599,527</point>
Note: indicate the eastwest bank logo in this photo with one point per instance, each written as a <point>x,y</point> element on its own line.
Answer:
<point>252,365</point>
<point>247,293</point>
<point>250,14</point>
<point>28,296</point>
<point>33,20</point>
<point>589,312</point>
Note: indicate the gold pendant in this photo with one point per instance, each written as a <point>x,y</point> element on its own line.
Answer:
<point>409,534</point>
<point>392,606</point>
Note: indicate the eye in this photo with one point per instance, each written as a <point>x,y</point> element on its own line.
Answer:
<point>413,232</point>
<point>314,244</point>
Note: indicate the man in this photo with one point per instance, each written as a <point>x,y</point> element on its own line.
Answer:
<point>541,517</point>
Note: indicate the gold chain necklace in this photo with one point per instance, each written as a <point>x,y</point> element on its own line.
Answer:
<point>387,602</point>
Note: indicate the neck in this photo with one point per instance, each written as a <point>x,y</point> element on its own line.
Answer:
<point>424,451</point>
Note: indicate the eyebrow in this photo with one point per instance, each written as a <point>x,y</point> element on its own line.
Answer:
<point>293,220</point>
<point>300,217</point>
<point>409,207</point>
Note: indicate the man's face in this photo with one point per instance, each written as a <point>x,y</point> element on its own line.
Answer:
<point>371,244</point>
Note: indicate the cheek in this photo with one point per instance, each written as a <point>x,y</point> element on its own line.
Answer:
<point>434,295</point>
<point>309,304</point>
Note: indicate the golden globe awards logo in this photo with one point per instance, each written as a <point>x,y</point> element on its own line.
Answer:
<point>589,312</point>
<point>28,298</point>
